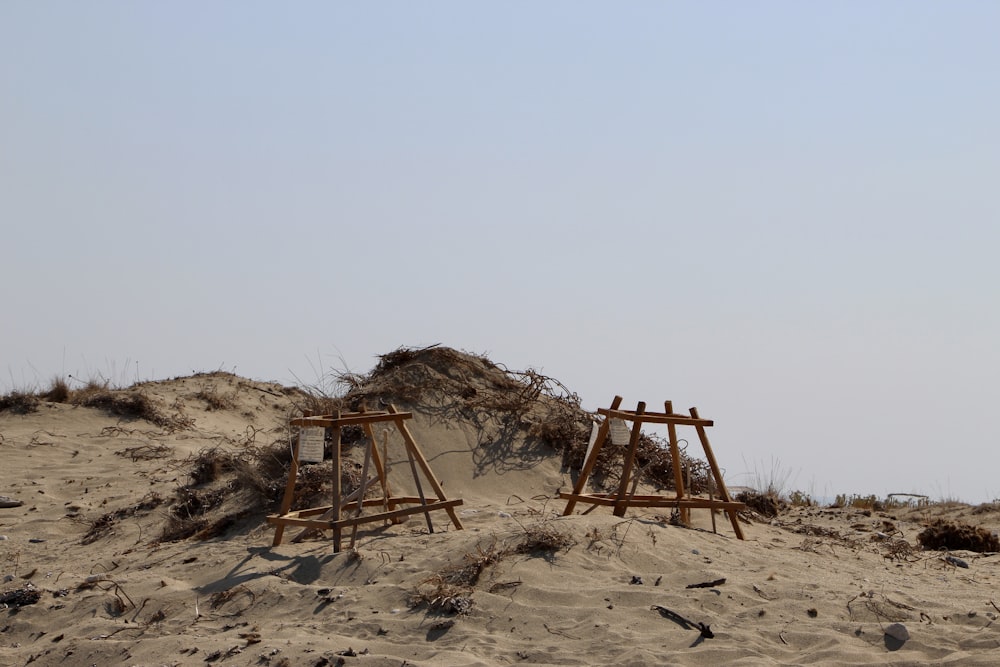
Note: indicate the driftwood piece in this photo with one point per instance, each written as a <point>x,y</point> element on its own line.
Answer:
<point>706,631</point>
<point>708,584</point>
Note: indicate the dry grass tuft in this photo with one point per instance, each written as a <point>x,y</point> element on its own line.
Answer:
<point>58,391</point>
<point>542,537</point>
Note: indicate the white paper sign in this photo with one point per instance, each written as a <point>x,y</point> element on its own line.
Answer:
<point>311,444</point>
<point>619,432</point>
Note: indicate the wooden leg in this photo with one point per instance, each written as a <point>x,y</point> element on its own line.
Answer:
<point>733,519</point>
<point>591,461</point>
<point>675,456</point>
<point>286,501</point>
<point>621,505</point>
<point>411,446</point>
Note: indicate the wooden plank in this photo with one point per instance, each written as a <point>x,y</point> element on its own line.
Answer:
<point>316,524</point>
<point>351,419</point>
<point>654,501</point>
<point>655,418</point>
<point>370,502</point>
<point>588,465</point>
<point>320,524</point>
<point>447,505</point>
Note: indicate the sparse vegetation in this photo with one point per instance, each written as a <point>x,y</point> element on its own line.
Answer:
<point>451,589</point>
<point>104,525</point>
<point>128,404</point>
<point>215,400</point>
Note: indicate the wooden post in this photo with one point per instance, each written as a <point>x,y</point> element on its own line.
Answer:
<point>591,461</point>
<point>286,501</point>
<point>675,455</point>
<point>703,436</point>
<point>633,445</point>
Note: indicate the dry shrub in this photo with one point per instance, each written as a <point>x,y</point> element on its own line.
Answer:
<point>957,536</point>
<point>187,516</point>
<point>196,502</point>
<point>766,505</point>
<point>263,471</point>
<point>986,508</point>
<point>180,528</point>
<point>58,391</point>
<point>209,464</point>
<point>216,400</point>
<point>19,402</point>
<point>450,590</point>
<point>313,400</point>
<point>894,549</point>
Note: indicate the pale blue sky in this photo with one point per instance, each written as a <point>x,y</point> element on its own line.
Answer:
<point>784,213</point>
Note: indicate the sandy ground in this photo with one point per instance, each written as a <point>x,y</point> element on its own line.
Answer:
<point>812,586</point>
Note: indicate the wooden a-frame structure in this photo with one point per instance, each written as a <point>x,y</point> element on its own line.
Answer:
<point>625,497</point>
<point>348,511</point>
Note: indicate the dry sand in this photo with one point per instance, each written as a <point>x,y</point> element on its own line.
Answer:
<point>813,586</point>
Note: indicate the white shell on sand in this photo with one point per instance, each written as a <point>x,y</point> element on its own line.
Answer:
<point>898,631</point>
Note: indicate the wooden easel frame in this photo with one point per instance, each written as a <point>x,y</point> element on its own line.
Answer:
<point>623,498</point>
<point>348,511</point>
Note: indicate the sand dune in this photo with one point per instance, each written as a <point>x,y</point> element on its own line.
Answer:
<point>96,571</point>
